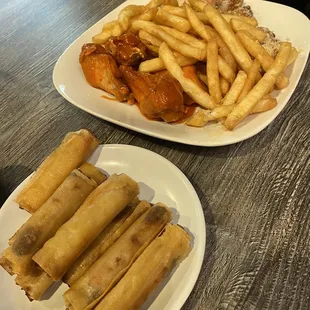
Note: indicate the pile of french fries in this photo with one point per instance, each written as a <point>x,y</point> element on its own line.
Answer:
<point>240,74</point>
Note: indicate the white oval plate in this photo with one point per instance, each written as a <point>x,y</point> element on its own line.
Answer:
<point>159,180</point>
<point>287,23</point>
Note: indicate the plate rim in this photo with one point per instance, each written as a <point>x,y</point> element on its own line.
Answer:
<point>204,143</point>
<point>200,251</point>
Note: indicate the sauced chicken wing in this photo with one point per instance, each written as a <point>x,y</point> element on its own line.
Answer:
<point>101,71</point>
<point>159,95</point>
<point>127,49</point>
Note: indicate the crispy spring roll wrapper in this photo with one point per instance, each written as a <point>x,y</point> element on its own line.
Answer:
<point>69,155</point>
<point>147,272</point>
<point>95,283</point>
<point>35,282</point>
<point>44,223</point>
<point>93,173</point>
<point>73,237</point>
<point>106,238</point>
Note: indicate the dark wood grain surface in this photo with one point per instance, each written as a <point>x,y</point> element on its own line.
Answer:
<point>255,194</point>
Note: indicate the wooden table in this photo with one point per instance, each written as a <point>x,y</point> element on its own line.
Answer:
<point>255,194</point>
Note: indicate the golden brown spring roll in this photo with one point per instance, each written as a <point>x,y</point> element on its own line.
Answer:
<point>73,237</point>
<point>96,282</point>
<point>44,223</point>
<point>35,282</point>
<point>93,173</point>
<point>69,155</point>
<point>146,273</point>
<point>106,238</point>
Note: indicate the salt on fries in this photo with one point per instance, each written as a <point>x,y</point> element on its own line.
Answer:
<point>239,73</point>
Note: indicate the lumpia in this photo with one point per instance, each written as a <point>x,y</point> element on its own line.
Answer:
<point>73,237</point>
<point>91,287</point>
<point>146,273</point>
<point>44,223</point>
<point>35,282</point>
<point>106,238</point>
<point>70,154</point>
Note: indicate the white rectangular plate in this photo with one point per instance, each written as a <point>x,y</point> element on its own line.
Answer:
<point>70,82</point>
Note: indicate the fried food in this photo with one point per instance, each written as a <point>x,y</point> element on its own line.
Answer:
<point>73,151</point>
<point>193,90</point>
<point>101,71</point>
<point>213,75</point>
<point>237,25</point>
<point>235,89</point>
<point>159,95</point>
<point>257,51</point>
<point>177,45</point>
<point>262,88</point>
<point>251,79</point>
<point>156,64</point>
<point>235,46</point>
<point>126,49</point>
<point>164,18</point>
<point>74,236</point>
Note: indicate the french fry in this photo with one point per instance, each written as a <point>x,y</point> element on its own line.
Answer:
<point>237,25</point>
<point>266,104</point>
<point>257,51</point>
<point>145,36</point>
<point>225,70</point>
<point>110,25</point>
<point>193,90</point>
<point>293,56</point>
<point>213,72</point>
<point>108,30</point>
<point>156,64</point>
<point>249,20</point>
<point>127,13</point>
<point>235,89</point>
<point>199,119</point>
<point>164,18</point>
<point>147,15</point>
<point>150,46</point>
<point>251,79</point>
<point>175,10</point>
<point>198,5</point>
<point>202,77</point>
<point>173,43</point>
<point>225,86</point>
<point>223,49</point>
<point>190,72</point>
<point>223,28</point>
<point>202,117</point>
<point>153,4</point>
<point>244,108</point>
<point>196,23</point>
<point>179,11</point>
<point>171,2</point>
<point>185,37</point>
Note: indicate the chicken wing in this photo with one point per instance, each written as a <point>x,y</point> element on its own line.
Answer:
<point>126,49</point>
<point>159,95</point>
<point>101,71</point>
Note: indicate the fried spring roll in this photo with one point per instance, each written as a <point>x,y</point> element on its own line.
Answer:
<point>44,223</point>
<point>93,173</point>
<point>106,238</point>
<point>73,237</point>
<point>154,264</point>
<point>86,292</point>
<point>69,155</point>
<point>35,282</point>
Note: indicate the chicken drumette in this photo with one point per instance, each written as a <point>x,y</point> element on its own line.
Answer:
<point>100,63</point>
<point>159,95</point>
